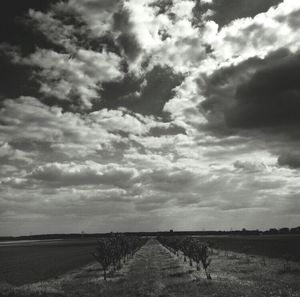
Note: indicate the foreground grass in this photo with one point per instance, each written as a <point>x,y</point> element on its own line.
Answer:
<point>154,271</point>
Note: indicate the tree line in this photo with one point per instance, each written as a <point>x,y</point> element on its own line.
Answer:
<point>112,251</point>
<point>192,248</point>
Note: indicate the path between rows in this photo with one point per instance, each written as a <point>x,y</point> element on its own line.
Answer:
<point>155,272</point>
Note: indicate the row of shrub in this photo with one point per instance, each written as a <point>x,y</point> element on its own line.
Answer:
<point>112,251</point>
<point>192,248</point>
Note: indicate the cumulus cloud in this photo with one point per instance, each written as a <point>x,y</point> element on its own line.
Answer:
<point>258,95</point>
<point>258,36</point>
<point>155,109</point>
<point>223,12</point>
<point>59,175</point>
<point>97,14</point>
<point>75,78</point>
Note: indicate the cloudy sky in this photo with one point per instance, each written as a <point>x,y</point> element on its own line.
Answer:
<point>149,115</point>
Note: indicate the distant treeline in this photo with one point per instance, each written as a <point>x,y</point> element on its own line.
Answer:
<point>272,231</point>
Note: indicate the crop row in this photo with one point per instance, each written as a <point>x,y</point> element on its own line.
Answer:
<point>112,251</point>
<point>192,248</point>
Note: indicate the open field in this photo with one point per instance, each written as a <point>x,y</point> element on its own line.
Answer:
<point>27,262</point>
<point>154,271</point>
<point>277,246</point>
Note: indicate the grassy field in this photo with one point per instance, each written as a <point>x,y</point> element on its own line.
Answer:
<point>30,262</point>
<point>277,246</point>
<point>154,271</point>
<point>25,262</point>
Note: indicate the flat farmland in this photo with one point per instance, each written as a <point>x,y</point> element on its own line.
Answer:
<point>154,271</point>
<point>28,262</point>
<point>275,246</point>
<point>31,262</point>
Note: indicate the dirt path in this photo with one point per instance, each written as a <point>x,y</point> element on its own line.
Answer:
<point>154,272</point>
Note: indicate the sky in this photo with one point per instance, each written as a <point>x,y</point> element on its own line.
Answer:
<point>147,115</point>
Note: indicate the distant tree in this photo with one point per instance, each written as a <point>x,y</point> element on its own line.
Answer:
<point>284,230</point>
<point>295,230</point>
<point>273,231</point>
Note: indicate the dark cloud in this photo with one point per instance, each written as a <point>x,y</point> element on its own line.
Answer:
<point>259,94</point>
<point>16,80</point>
<point>270,98</point>
<point>58,28</point>
<point>127,39</point>
<point>225,11</point>
<point>13,21</point>
<point>162,6</point>
<point>170,130</point>
<point>130,45</point>
<point>146,95</point>
<point>291,159</point>
<point>103,4</point>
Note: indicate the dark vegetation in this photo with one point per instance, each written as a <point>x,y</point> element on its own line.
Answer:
<point>276,246</point>
<point>112,251</point>
<point>26,263</point>
<point>193,248</point>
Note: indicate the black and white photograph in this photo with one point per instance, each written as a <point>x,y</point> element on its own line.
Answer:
<point>149,148</point>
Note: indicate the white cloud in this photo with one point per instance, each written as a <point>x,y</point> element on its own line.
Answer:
<point>97,14</point>
<point>79,75</point>
<point>53,29</point>
<point>258,36</point>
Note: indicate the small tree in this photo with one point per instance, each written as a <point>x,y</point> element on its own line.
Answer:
<point>205,260</point>
<point>196,252</point>
<point>103,254</point>
<point>185,247</point>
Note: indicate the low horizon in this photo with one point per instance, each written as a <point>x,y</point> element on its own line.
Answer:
<point>279,230</point>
